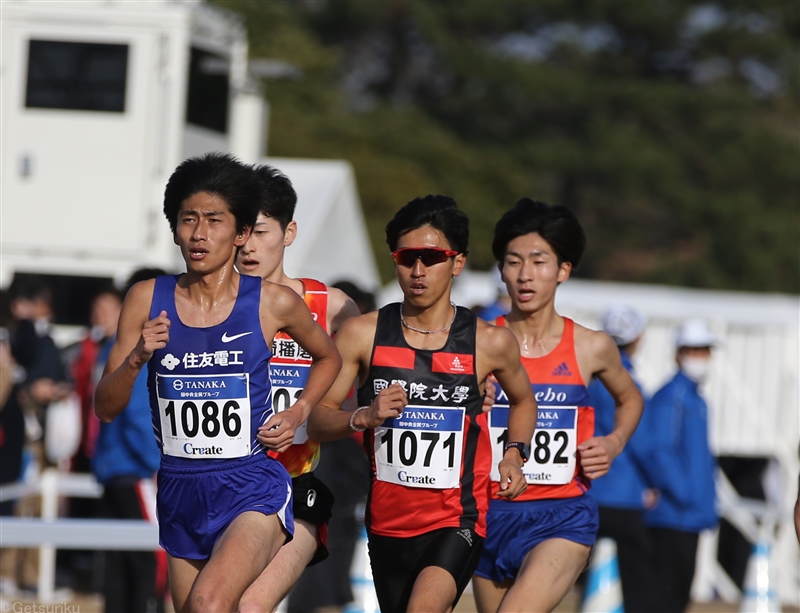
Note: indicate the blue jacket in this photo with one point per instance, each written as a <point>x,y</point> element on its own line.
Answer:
<point>623,487</point>
<point>684,466</point>
<point>127,446</point>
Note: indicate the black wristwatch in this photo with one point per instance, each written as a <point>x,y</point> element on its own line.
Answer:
<point>523,448</point>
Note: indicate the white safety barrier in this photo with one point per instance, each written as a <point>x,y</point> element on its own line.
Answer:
<point>603,592</point>
<point>52,484</point>
<point>365,598</point>
<point>759,583</point>
<point>50,533</point>
<point>109,534</point>
<point>756,520</point>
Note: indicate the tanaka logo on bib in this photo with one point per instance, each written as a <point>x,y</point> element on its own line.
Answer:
<point>453,363</point>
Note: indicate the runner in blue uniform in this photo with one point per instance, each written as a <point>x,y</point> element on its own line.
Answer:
<point>223,505</point>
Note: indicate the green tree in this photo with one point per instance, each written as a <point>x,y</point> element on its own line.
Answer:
<point>670,127</point>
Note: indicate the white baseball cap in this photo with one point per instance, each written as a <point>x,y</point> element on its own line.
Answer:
<point>624,323</point>
<point>695,333</point>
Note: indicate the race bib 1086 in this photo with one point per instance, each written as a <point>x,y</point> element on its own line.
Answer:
<point>421,448</point>
<point>553,446</point>
<point>204,416</point>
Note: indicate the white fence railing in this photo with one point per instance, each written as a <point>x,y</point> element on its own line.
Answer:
<point>49,533</point>
<point>754,519</point>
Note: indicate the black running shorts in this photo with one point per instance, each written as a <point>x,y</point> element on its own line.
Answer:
<point>397,562</point>
<point>313,502</point>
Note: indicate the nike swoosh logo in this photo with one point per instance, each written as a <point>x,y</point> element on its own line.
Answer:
<point>228,339</point>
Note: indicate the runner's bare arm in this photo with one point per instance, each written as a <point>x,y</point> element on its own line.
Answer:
<point>137,339</point>
<point>282,309</point>
<point>597,453</point>
<point>328,421</point>
<point>500,349</point>
<point>341,307</point>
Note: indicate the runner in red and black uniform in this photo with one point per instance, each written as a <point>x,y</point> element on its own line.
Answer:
<point>537,544</point>
<point>262,255</point>
<point>421,368</point>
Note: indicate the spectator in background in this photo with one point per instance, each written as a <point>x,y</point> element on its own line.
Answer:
<point>41,380</point>
<point>502,303</point>
<point>12,431</point>
<point>625,492</point>
<point>86,370</point>
<point>344,468</point>
<point>46,381</point>
<point>125,462</point>
<point>12,422</point>
<point>365,301</point>
<point>682,465</point>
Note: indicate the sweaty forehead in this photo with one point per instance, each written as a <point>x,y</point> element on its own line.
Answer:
<point>424,236</point>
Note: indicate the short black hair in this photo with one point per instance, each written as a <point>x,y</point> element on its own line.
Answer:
<point>439,212</point>
<point>31,288</point>
<point>220,174</point>
<point>365,301</point>
<point>107,289</point>
<point>554,223</point>
<point>279,198</point>
<point>141,274</point>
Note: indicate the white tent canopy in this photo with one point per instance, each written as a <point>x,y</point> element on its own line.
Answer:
<point>332,242</point>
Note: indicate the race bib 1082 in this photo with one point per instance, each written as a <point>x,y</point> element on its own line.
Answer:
<point>553,445</point>
<point>422,448</point>
<point>204,416</point>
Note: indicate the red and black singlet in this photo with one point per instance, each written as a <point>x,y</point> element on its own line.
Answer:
<point>430,467</point>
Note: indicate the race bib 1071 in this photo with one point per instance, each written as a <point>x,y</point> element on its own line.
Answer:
<point>422,448</point>
<point>204,416</point>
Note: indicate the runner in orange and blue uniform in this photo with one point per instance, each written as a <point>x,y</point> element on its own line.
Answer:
<point>262,255</point>
<point>537,544</point>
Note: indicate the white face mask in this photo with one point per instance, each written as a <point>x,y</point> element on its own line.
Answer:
<point>696,369</point>
<point>97,333</point>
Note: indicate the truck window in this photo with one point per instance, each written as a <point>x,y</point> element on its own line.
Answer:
<point>76,76</point>
<point>207,95</point>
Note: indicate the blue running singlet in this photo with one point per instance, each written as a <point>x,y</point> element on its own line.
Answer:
<point>210,387</point>
<point>209,393</point>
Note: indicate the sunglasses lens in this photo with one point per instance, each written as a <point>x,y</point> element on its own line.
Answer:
<point>429,257</point>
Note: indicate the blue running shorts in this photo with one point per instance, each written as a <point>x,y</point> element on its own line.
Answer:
<point>514,528</point>
<point>196,505</point>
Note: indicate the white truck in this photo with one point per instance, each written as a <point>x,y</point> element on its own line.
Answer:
<point>101,100</point>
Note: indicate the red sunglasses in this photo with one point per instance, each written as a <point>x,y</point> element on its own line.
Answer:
<point>428,255</point>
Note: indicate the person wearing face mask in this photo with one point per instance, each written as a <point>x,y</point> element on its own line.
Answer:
<point>86,368</point>
<point>683,466</point>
